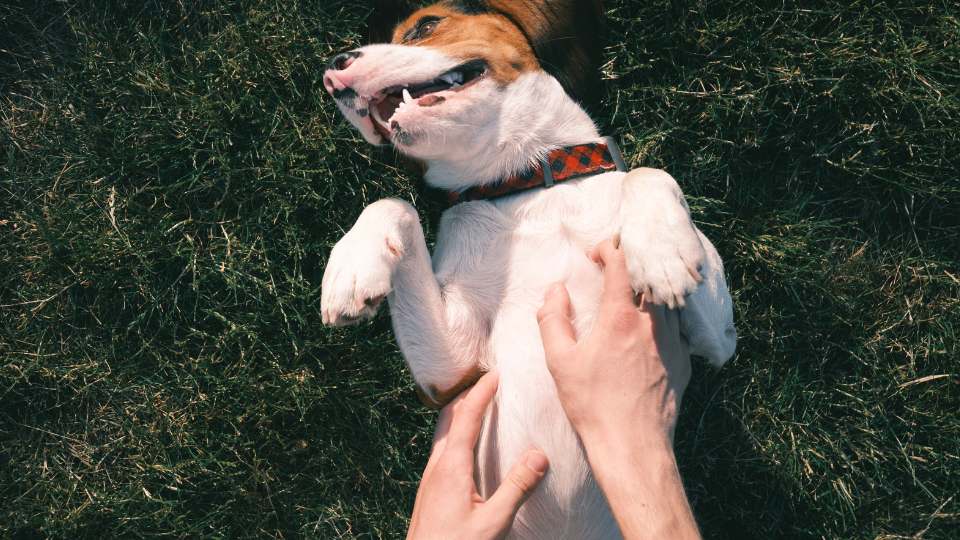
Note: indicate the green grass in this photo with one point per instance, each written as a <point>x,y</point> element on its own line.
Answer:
<point>173,177</point>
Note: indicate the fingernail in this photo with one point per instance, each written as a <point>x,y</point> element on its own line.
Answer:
<point>536,461</point>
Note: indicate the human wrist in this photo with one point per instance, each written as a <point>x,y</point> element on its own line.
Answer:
<point>623,453</point>
<point>640,478</point>
<point>611,440</point>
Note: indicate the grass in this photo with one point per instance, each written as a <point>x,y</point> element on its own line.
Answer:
<point>173,177</point>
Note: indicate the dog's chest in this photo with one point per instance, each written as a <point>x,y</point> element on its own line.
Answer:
<point>498,259</point>
<point>501,256</point>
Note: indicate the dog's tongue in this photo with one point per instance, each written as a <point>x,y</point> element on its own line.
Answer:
<point>388,106</point>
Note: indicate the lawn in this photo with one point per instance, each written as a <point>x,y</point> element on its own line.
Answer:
<point>173,177</point>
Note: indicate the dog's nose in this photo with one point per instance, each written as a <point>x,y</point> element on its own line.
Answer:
<point>342,61</point>
<point>337,79</point>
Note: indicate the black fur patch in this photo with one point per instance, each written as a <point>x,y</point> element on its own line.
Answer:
<point>346,96</point>
<point>403,137</point>
<point>469,7</point>
<point>387,14</point>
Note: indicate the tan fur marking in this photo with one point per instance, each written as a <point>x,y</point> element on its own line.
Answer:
<point>437,399</point>
<point>486,36</point>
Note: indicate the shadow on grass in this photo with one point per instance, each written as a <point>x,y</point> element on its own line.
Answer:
<point>34,37</point>
<point>735,491</point>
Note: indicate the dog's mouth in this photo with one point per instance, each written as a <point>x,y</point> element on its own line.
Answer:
<point>424,94</point>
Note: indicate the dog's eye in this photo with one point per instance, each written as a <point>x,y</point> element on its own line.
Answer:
<point>426,27</point>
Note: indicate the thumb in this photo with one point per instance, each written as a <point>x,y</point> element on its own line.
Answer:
<point>554,319</point>
<point>525,475</point>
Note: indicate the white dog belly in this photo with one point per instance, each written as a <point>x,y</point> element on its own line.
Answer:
<point>527,412</point>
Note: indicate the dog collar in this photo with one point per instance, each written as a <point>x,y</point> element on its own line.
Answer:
<point>559,165</point>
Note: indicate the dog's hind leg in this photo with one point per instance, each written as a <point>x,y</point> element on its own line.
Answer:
<point>440,333</point>
<point>707,318</point>
<point>673,263</point>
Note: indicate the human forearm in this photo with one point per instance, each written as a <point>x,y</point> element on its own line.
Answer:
<point>639,477</point>
<point>621,387</point>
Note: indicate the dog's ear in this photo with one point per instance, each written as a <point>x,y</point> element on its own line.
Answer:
<point>568,38</point>
<point>385,16</point>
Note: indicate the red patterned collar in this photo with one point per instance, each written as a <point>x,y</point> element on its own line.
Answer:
<point>560,165</point>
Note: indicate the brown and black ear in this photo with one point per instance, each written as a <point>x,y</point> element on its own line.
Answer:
<point>568,38</point>
<point>384,16</point>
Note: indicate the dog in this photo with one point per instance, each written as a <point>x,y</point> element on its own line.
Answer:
<point>464,88</point>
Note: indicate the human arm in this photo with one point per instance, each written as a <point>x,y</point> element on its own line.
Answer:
<point>447,504</point>
<point>621,388</point>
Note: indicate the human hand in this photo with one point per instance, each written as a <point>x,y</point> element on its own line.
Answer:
<point>448,505</point>
<point>627,377</point>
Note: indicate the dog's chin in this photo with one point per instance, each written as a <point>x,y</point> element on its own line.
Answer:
<point>412,127</point>
<point>442,131</point>
<point>420,128</point>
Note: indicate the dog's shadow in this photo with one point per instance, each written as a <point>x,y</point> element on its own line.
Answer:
<point>734,490</point>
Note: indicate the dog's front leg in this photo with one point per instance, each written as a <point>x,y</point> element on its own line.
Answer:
<point>673,263</point>
<point>385,255</point>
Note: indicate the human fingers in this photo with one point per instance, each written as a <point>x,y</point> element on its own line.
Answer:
<point>444,421</point>
<point>516,486</point>
<point>658,320</point>
<point>616,280</point>
<point>446,417</point>
<point>468,413</point>
<point>672,346</point>
<point>556,331</point>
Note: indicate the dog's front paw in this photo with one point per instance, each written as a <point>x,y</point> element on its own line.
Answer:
<point>664,259</point>
<point>358,277</point>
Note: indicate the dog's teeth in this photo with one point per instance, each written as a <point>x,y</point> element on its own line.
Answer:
<point>452,78</point>
<point>407,98</point>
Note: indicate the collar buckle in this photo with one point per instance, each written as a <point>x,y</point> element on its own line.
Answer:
<point>615,153</point>
<point>547,168</point>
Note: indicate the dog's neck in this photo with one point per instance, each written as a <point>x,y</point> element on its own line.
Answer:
<point>537,116</point>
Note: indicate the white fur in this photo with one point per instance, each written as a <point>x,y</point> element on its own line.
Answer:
<point>477,302</point>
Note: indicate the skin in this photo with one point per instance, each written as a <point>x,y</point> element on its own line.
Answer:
<point>447,504</point>
<point>621,388</point>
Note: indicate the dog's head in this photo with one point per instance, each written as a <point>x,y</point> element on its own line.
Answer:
<point>446,71</point>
